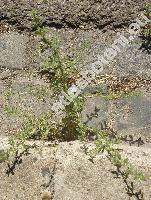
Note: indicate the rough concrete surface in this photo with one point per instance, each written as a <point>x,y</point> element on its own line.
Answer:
<point>71,13</point>
<point>78,178</point>
<point>29,175</point>
<point>66,172</point>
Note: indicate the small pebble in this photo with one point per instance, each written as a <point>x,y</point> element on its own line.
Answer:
<point>46,195</point>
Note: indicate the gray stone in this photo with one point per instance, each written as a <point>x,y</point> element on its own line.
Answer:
<point>95,112</point>
<point>133,116</point>
<point>13,50</point>
<point>134,61</point>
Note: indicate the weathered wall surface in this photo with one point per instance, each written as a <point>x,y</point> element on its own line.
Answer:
<point>66,171</point>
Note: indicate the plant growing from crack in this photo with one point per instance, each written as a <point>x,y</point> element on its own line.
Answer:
<point>59,71</point>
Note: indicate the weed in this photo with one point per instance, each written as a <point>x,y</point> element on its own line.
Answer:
<point>105,144</point>
<point>60,72</point>
<point>36,19</point>
<point>33,128</point>
<point>3,156</point>
<point>147,29</point>
<point>73,128</point>
<point>11,110</point>
<point>59,69</point>
<point>120,95</point>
